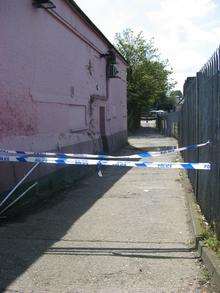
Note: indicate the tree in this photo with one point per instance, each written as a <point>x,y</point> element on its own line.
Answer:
<point>147,75</point>
<point>168,102</point>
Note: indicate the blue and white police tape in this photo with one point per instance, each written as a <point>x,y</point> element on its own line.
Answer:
<point>92,156</point>
<point>72,161</point>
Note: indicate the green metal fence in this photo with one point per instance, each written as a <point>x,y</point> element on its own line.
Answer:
<point>199,122</point>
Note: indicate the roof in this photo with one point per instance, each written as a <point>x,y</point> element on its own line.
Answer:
<point>79,11</point>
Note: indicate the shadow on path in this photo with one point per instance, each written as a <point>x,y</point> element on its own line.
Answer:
<point>23,242</point>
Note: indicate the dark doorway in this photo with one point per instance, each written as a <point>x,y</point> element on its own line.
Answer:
<point>102,129</point>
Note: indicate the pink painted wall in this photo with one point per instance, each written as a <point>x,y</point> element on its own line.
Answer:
<point>48,71</point>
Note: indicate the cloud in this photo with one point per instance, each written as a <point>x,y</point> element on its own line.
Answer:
<point>182,35</point>
<point>186,9</point>
<point>185,31</point>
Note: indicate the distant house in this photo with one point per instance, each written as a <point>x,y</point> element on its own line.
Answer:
<point>62,84</point>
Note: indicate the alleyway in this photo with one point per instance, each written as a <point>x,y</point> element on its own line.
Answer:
<point>128,231</point>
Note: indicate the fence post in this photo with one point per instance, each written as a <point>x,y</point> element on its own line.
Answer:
<point>197,129</point>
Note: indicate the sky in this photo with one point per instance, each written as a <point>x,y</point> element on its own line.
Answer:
<point>186,32</point>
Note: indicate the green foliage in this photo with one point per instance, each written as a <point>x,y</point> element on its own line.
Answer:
<point>135,48</point>
<point>205,277</point>
<point>148,76</point>
<point>210,240</point>
<point>169,101</point>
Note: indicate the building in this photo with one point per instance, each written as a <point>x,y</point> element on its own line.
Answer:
<point>62,84</point>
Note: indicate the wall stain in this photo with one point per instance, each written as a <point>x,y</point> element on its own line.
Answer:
<point>18,117</point>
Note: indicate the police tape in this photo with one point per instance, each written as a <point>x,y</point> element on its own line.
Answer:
<point>136,156</point>
<point>72,161</point>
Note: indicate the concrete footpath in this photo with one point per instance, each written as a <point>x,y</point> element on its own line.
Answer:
<point>128,231</point>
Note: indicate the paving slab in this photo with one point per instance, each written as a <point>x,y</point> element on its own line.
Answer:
<point>128,231</point>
